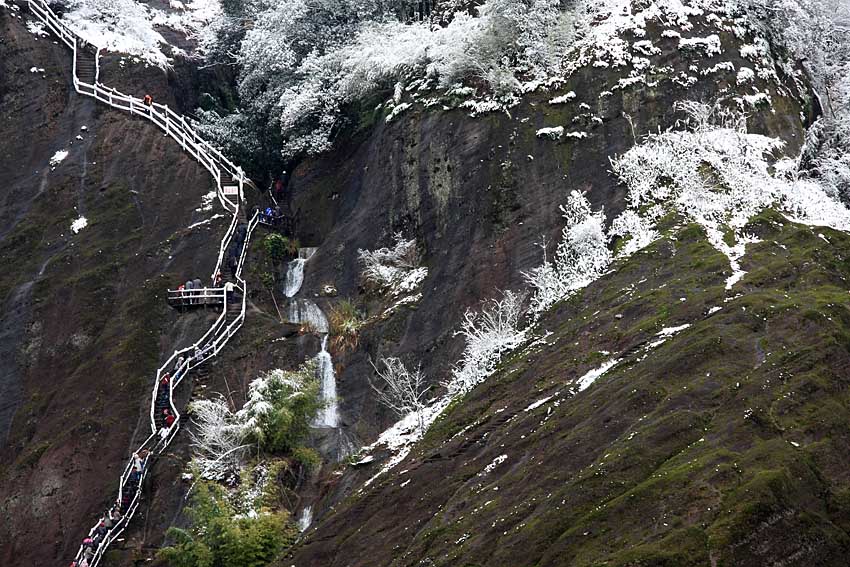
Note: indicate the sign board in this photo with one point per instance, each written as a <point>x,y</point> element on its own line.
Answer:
<point>231,189</point>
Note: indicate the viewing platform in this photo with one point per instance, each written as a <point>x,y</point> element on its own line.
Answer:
<point>184,299</point>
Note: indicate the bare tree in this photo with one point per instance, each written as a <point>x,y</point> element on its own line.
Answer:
<point>401,390</point>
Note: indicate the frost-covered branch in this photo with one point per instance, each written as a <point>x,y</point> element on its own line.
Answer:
<point>580,257</point>
<point>718,175</point>
<point>279,408</point>
<point>218,438</point>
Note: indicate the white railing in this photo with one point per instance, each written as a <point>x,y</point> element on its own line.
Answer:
<point>174,124</point>
<point>211,343</point>
<point>196,296</point>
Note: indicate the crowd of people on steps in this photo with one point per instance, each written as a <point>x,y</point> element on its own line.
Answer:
<point>164,419</point>
<point>116,513</point>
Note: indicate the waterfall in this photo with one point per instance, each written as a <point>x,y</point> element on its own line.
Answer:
<point>295,272</point>
<point>294,277</point>
<point>305,518</point>
<point>305,311</point>
<point>328,415</point>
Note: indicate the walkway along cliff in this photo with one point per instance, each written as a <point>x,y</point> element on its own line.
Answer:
<point>230,182</point>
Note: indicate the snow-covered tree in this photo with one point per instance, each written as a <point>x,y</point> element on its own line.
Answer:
<point>490,332</point>
<point>219,438</point>
<point>580,257</point>
<point>401,390</point>
<point>719,175</point>
<point>275,417</point>
<point>303,64</point>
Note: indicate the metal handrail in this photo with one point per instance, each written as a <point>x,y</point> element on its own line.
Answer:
<point>211,343</point>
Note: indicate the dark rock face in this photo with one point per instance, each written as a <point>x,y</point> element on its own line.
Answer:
<point>84,321</point>
<point>85,326</point>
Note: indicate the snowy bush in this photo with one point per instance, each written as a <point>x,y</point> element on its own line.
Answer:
<point>276,416</point>
<point>281,404</point>
<point>218,438</point>
<point>490,333</point>
<point>304,63</point>
<point>134,28</point>
<point>580,257</point>
<point>393,271</point>
<point>718,175</point>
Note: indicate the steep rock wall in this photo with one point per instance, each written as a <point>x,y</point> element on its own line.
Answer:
<point>85,322</point>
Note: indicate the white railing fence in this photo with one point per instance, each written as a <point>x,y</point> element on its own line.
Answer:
<point>230,181</point>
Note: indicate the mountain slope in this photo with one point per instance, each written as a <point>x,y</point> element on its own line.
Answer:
<point>720,445</point>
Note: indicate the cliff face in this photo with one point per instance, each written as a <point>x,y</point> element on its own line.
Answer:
<point>84,321</point>
<point>479,195</point>
<point>715,441</point>
<point>707,448</point>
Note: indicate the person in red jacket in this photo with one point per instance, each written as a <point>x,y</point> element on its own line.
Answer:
<point>169,419</point>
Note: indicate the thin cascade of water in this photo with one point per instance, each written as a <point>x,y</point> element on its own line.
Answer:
<point>305,518</point>
<point>305,311</point>
<point>294,277</point>
<point>329,415</point>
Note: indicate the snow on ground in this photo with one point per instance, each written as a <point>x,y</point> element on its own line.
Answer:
<point>538,403</point>
<point>207,202</point>
<point>493,464</point>
<point>667,332</point>
<point>58,158</point>
<point>36,28</point>
<point>553,133</point>
<point>79,224</point>
<point>585,381</point>
<point>563,98</point>
<point>400,438</point>
<point>203,222</point>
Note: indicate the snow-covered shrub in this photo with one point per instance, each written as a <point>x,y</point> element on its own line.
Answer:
<point>275,417</point>
<point>303,63</point>
<point>490,332</point>
<point>394,271</point>
<point>718,175</point>
<point>134,28</point>
<point>580,257</point>
<point>219,438</point>
<point>401,390</point>
<point>281,404</point>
